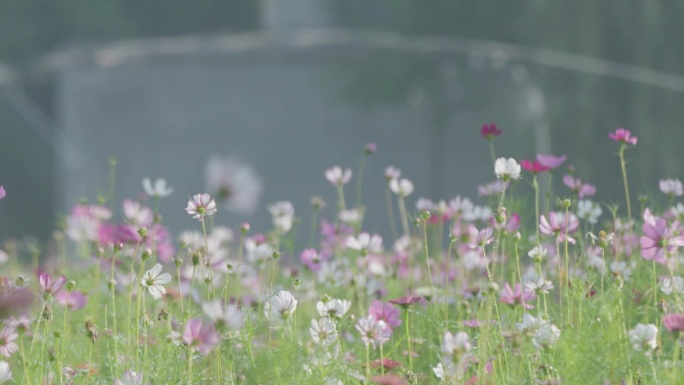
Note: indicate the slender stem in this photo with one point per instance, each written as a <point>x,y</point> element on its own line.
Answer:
<point>491,151</point>
<point>341,205</point>
<point>359,181</point>
<point>427,258</point>
<point>624,178</point>
<point>535,184</point>
<point>404,216</point>
<point>408,338</point>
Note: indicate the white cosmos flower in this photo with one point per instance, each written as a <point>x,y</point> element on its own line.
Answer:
<point>365,243</point>
<point>392,172</point>
<point>158,189</point>
<point>546,336</point>
<point>281,306</point>
<point>337,176</point>
<point>235,184</point>
<point>282,214</point>
<point>589,211</point>
<point>672,187</point>
<point>5,372</point>
<point>674,285</point>
<point>456,343</point>
<point>538,253</point>
<point>334,308</point>
<point>644,337</point>
<point>153,281</point>
<point>506,169</point>
<point>401,187</point>
<point>323,331</point>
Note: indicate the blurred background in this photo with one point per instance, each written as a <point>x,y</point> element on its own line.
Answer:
<point>293,87</point>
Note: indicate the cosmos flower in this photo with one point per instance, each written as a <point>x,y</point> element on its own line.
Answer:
<point>7,345</point>
<point>538,253</point>
<point>589,211</point>
<point>323,331</point>
<point>456,344</point>
<point>3,193</point>
<point>153,280</point>
<point>674,322</point>
<point>158,189</point>
<point>659,240</point>
<point>334,308</point>
<point>281,306</point>
<point>73,300</point>
<point>235,184</point>
<point>558,225</point>
<point>581,189</point>
<point>392,173</point>
<point>489,131</point>
<point>550,161</point>
<point>671,187</point>
<point>200,206</point>
<point>365,243</point>
<point>385,312</point>
<point>623,136</point>
<point>337,177</point>
<point>48,287</point>
<point>201,335</point>
<point>533,166</point>
<point>517,296</point>
<point>5,372</point>
<point>401,187</point>
<point>507,169</point>
<point>373,331</point>
<point>282,214</point>
<point>644,337</point>
<point>130,378</point>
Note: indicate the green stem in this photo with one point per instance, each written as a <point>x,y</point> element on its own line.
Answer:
<point>624,179</point>
<point>390,210</point>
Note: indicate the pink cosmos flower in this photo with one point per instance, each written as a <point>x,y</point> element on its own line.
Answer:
<point>658,239</point>
<point>671,187</point>
<point>2,192</point>
<point>533,166</point>
<point>385,312</point>
<point>581,189</point>
<point>492,188</point>
<point>7,345</point>
<point>558,224</point>
<point>481,238</point>
<point>517,296</point>
<point>674,322</point>
<point>48,287</point>
<point>551,161</point>
<point>623,136</point>
<point>510,226</point>
<point>201,205</point>
<point>373,331</point>
<point>406,301</point>
<point>72,300</point>
<point>313,259</point>
<point>489,131</point>
<point>202,336</point>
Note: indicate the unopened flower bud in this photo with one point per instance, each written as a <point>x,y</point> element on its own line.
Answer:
<point>244,228</point>
<point>276,255</point>
<point>111,284</point>
<point>142,232</point>
<point>146,253</point>
<point>71,285</point>
<point>517,236</point>
<point>178,261</point>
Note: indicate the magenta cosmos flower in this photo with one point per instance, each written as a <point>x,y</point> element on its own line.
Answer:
<point>558,224</point>
<point>202,336</point>
<point>517,296</point>
<point>489,131</point>
<point>551,161</point>
<point>623,136</point>
<point>2,192</point>
<point>658,239</point>
<point>406,301</point>
<point>674,322</point>
<point>533,166</point>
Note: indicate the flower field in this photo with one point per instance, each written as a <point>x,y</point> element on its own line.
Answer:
<point>534,285</point>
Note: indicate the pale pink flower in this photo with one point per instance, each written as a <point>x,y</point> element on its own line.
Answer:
<point>137,214</point>
<point>373,331</point>
<point>623,136</point>
<point>200,206</point>
<point>3,193</point>
<point>7,345</point>
<point>371,148</point>
<point>130,378</point>
<point>200,335</point>
<point>385,312</point>
<point>481,238</point>
<point>73,300</point>
<point>558,225</point>
<point>392,172</point>
<point>337,176</point>
<point>235,184</point>
<point>659,240</point>
<point>581,189</point>
<point>492,188</point>
<point>517,296</point>
<point>551,161</point>
<point>48,287</point>
<point>365,243</point>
